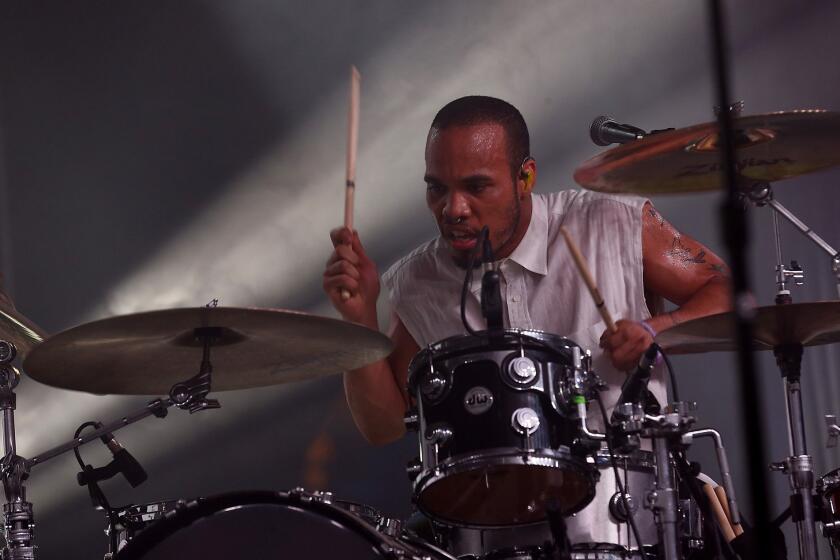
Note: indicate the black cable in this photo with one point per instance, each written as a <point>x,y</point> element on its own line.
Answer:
<point>630,518</point>
<point>94,488</point>
<point>468,278</point>
<point>784,516</point>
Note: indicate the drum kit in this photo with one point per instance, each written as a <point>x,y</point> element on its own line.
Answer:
<point>508,449</point>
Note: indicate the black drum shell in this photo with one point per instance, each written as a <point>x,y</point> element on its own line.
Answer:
<point>263,524</point>
<point>489,438</point>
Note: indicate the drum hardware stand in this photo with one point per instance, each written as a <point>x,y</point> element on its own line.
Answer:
<point>19,523</point>
<point>723,464</point>
<point>761,194</point>
<point>666,430</point>
<point>799,465</point>
<point>188,395</point>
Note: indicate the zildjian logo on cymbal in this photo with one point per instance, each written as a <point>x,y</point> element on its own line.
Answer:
<point>706,168</point>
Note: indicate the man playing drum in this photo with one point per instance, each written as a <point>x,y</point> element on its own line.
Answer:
<point>479,173</point>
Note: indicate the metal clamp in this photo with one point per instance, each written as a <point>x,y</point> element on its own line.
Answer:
<point>833,430</point>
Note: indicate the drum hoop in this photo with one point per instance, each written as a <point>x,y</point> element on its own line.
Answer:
<point>639,460</point>
<point>510,456</point>
<point>455,345</point>
<point>198,508</point>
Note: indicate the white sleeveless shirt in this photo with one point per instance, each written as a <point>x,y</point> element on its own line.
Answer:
<point>541,287</point>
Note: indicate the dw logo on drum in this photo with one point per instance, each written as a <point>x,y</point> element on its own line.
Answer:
<point>478,400</point>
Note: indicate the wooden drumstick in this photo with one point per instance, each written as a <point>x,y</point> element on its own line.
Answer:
<point>589,281</point>
<point>720,515</point>
<point>352,142</point>
<point>724,502</point>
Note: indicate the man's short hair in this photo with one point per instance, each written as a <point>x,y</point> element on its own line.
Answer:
<point>480,109</point>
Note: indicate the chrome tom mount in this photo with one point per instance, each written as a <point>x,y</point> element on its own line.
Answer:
<point>670,433</point>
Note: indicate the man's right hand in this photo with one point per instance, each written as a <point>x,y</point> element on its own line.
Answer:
<point>350,270</point>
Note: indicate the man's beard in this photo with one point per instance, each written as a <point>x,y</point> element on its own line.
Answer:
<point>462,260</point>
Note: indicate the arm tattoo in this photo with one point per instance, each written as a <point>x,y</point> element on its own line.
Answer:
<point>680,252</point>
<point>717,268</point>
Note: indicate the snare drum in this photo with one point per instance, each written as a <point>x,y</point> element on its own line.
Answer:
<point>297,524</point>
<point>497,434</point>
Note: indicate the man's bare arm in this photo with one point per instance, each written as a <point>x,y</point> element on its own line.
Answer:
<point>376,393</point>
<point>683,271</point>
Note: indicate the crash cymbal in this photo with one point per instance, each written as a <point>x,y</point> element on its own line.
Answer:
<point>810,324</point>
<point>769,147</point>
<point>147,353</point>
<point>16,328</point>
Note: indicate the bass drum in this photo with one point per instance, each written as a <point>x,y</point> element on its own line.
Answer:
<point>297,524</point>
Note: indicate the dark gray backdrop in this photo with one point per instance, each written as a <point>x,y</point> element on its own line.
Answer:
<point>161,154</point>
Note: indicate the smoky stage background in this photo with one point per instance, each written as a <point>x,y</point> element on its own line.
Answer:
<point>161,154</point>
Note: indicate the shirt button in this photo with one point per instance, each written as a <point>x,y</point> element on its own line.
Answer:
<point>515,299</point>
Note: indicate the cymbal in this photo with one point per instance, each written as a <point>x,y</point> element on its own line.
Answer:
<point>16,328</point>
<point>810,324</point>
<point>147,353</point>
<point>770,147</point>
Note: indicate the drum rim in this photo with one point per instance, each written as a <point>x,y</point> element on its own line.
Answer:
<point>640,460</point>
<point>452,345</point>
<point>198,508</point>
<point>510,456</point>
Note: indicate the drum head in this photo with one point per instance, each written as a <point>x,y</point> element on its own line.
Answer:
<point>502,491</point>
<point>256,525</point>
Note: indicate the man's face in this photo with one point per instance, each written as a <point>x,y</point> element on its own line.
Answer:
<point>469,185</point>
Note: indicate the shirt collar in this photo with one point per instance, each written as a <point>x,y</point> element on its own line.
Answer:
<point>532,251</point>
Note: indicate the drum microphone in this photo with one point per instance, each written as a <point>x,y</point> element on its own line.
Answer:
<point>635,386</point>
<point>605,131</point>
<point>125,461</point>
<point>491,290</point>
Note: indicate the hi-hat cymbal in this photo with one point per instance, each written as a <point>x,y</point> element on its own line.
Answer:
<point>147,353</point>
<point>770,147</point>
<point>16,328</point>
<point>809,324</point>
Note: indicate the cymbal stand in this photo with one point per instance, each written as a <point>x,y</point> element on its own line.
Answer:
<point>188,395</point>
<point>799,465</point>
<point>19,522</point>
<point>761,194</point>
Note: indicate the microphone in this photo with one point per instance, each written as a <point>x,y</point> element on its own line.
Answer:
<point>605,130</point>
<point>635,386</point>
<point>124,462</point>
<point>491,290</point>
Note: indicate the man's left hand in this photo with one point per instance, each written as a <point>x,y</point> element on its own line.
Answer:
<point>626,345</point>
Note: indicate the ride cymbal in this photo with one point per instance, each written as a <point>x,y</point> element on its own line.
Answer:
<point>769,148</point>
<point>147,353</point>
<point>809,324</point>
<point>16,328</point>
